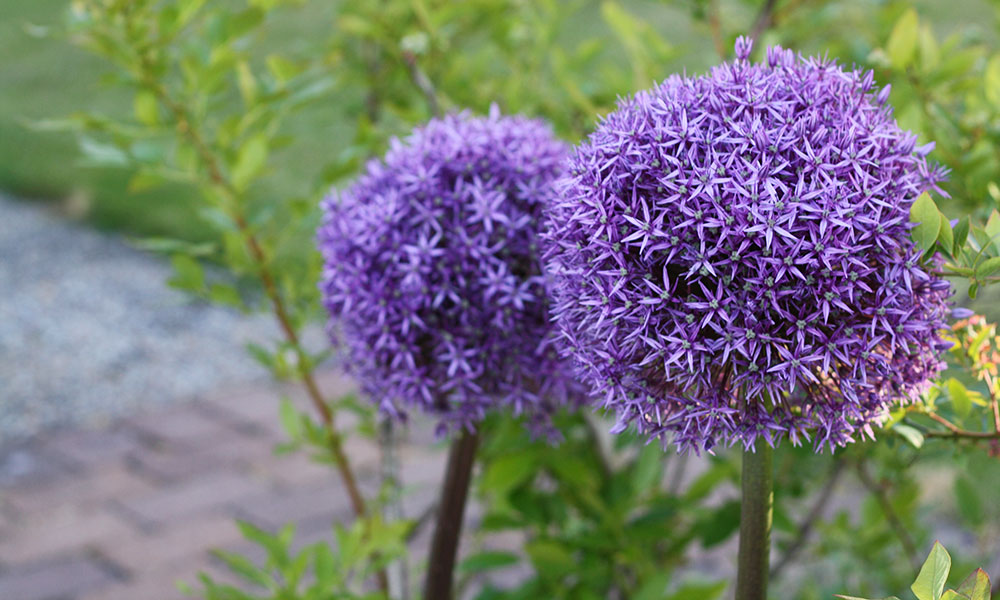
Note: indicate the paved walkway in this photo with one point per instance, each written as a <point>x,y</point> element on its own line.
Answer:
<point>125,511</point>
<point>89,330</point>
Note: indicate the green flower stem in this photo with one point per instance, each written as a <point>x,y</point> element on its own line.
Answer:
<point>755,523</point>
<point>451,512</point>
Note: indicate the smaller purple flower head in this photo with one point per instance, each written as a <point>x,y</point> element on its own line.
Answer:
<point>432,273</point>
<point>732,260</point>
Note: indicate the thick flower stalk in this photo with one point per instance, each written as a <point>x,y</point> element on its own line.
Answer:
<point>433,276</point>
<point>732,260</point>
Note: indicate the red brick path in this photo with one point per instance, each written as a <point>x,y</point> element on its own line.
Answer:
<point>126,511</point>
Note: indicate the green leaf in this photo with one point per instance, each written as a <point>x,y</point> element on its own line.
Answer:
<point>961,234</point>
<point>252,157</point>
<point>188,8</point>
<point>147,109</point>
<point>946,236</point>
<point>930,53</point>
<point>895,416</point>
<point>281,68</point>
<point>654,587</point>
<point>244,567</point>
<point>325,566</point>
<point>902,43</point>
<point>933,574</point>
<point>188,274</point>
<point>961,401</point>
<point>992,231</point>
<point>988,267</point>
<point>276,546</point>
<point>145,180</point>
<point>246,82</point>
<point>290,421</point>
<point>239,24</point>
<point>261,355</point>
<point>224,294</point>
<point>485,561</point>
<point>925,213</point>
<point>698,591</point>
<point>648,470</point>
<point>991,82</point>
<point>508,472</point>
<point>99,154</point>
<point>550,557</point>
<point>719,524</point>
<point>910,434</point>
<point>976,586</point>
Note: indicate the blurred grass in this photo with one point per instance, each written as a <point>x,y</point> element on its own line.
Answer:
<point>47,78</point>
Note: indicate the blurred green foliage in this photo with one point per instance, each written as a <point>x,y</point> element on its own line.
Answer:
<point>223,123</point>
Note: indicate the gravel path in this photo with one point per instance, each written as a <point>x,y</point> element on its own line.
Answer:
<point>89,330</point>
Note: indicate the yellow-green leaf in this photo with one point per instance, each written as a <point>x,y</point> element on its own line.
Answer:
<point>993,230</point>
<point>930,55</point>
<point>550,556</point>
<point>961,234</point>
<point>910,434</point>
<point>988,267</point>
<point>925,213</point>
<point>933,574</point>
<point>902,42</point>
<point>991,81</point>
<point>946,237</point>
<point>147,109</point>
<point>251,159</point>
<point>247,82</point>
<point>960,399</point>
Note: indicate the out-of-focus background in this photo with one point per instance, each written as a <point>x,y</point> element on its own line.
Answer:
<point>134,423</point>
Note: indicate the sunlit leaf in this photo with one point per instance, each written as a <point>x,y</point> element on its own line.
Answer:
<point>929,584</point>
<point>910,434</point>
<point>252,157</point>
<point>925,213</point>
<point>902,43</point>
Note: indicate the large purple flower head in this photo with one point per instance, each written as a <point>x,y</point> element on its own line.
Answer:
<point>433,273</point>
<point>732,257</point>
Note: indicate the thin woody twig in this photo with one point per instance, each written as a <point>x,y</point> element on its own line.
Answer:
<point>956,432</point>
<point>423,83</point>
<point>715,26</point>
<point>267,279</point>
<point>895,522</point>
<point>187,130</point>
<point>814,514</point>
<point>764,20</point>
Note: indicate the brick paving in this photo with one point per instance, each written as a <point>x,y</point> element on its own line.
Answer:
<point>128,510</point>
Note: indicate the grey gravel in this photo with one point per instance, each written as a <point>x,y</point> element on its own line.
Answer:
<point>89,330</point>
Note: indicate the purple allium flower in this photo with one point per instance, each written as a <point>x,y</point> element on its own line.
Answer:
<point>732,259</point>
<point>433,274</point>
